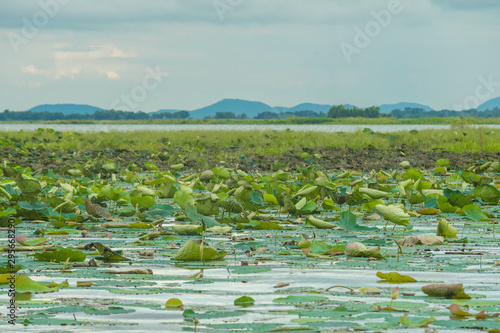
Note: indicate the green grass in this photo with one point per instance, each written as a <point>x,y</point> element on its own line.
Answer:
<point>261,142</point>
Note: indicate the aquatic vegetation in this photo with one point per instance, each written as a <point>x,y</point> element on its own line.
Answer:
<point>279,248</point>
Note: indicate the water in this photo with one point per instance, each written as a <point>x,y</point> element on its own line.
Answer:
<point>220,127</point>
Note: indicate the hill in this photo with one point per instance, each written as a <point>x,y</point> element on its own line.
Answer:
<point>490,105</point>
<point>238,106</point>
<point>387,108</point>
<point>66,108</point>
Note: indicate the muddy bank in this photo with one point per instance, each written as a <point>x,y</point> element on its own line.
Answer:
<point>330,159</point>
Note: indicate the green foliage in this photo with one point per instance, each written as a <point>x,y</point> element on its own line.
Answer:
<point>61,255</point>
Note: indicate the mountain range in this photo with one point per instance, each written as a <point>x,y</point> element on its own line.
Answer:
<point>250,108</point>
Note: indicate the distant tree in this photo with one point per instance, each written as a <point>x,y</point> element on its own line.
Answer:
<point>267,115</point>
<point>225,115</point>
<point>340,111</point>
<point>181,115</point>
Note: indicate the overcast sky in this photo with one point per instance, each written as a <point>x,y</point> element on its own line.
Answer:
<point>186,54</point>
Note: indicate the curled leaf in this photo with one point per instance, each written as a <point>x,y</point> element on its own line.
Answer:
<point>449,291</point>
<point>320,223</point>
<point>357,249</point>
<point>191,251</point>
<point>456,311</point>
<point>422,239</point>
<point>394,214</point>
<point>446,230</point>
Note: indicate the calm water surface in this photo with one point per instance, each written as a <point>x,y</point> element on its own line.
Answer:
<point>220,127</point>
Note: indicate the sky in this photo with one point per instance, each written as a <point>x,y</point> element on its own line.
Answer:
<point>187,54</point>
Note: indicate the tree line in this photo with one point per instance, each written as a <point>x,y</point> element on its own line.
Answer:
<point>336,111</point>
<point>421,113</point>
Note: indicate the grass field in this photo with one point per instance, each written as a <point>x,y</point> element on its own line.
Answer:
<point>456,139</point>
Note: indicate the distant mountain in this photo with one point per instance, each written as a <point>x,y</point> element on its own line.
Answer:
<point>310,107</point>
<point>387,108</point>
<point>66,108</point>
<point>252,109</point>
<point>315,107</point>
<point>490,105</point>
<point>238,106</point>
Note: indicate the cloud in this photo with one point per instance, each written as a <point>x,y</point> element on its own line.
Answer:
<point>71,63</point>
<point>282,52</point>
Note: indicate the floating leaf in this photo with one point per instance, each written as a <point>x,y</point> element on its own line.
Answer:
<point>299,299</point>
<point>25,285</point>
<point>61,255</point>
<point>394,277</point>
<point>406,322</point>
<point>244,301</point>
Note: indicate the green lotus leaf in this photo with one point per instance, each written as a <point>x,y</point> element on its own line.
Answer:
<point>186,229</point>
<point>446,230</point>
<point>375,194</point>
<point>394,214</point>
<point>244,301</point>
<point>487,193</point>
<point>395,277</point>
<point>320,223</point>
<point>145,201</point>
<point>184,197</point>
<point>28,186</point>
<point>61,255</point>
<point>191,251</point>
<point>455,291</point>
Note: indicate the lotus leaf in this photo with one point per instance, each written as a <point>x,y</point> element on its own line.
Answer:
<point>191,251</point>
